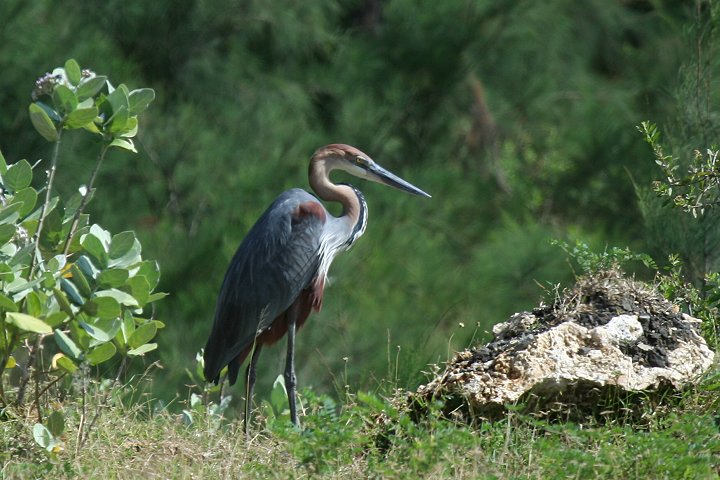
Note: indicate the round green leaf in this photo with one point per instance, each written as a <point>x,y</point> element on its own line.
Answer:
<point>28,198</point>
<point>66,364</point>
<point>27,323</point>
<point>87,267</point>
<point>140,99</point>
<point>142,334</point>
<point>71,292</point>
<point>130,129</point>
<point>42,435</point>
<point>7,232</point>
<point>18,176</point>
<point>90,86</point>
<point>95,248</point>
<point>56,263</point>
<point>101,353</point>
<point>78,278</point>
<point>67,344</point>
<point>56,318</point>
<point>33,304</point>
<point>102,330</point>
<point>56,423</point>
<point>124,143</point>
<point>142,350</point>
<point>62,300</point>
<point>113,278</point>
<point>42,123</point>
<point>81,117</point>
<point>140,289</point>
<point>119,99</point>
<point>103,307</point>
<point>151,271</point>
<point>48,280</point>
<point>7,304</point>
<point>64,99</point>
<point>73,72</point>
<point>121,244</point>
<point>118,121</point>
<point>129,257</point>
<point>122,297</point>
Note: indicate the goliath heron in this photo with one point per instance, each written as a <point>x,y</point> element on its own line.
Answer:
<point>278,273</point>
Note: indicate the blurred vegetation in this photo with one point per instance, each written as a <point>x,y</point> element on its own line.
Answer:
<point>517,116</point>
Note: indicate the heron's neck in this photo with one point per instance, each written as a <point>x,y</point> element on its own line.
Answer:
<point>344,194</point>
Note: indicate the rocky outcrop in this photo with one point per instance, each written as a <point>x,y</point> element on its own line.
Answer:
<point>608,333</point>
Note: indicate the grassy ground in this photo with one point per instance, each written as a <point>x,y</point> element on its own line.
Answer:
<point>352,439</point>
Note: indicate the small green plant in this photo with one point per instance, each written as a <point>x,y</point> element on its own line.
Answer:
<point>694,187</point>
<point>590,261</point>
<point>70,288</point>
<point>200,404</point>
<point>702,303</point>
<point>277,408</point>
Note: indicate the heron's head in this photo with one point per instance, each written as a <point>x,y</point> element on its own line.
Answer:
<point>359,164</point>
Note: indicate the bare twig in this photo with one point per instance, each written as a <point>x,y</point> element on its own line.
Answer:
<point>43,208</point>
<point>85,199</point>
<point>84,436</point>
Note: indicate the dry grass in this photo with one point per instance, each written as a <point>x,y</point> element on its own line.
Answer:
<point>340,441</point>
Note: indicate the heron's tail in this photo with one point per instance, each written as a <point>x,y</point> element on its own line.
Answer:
<point>216,358</point>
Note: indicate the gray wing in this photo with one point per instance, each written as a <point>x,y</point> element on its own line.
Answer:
<point>277,259</point>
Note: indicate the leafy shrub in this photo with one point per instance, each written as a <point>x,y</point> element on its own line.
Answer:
<point>68,287</point>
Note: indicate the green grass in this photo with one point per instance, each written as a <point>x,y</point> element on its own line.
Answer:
<point>365,436</point>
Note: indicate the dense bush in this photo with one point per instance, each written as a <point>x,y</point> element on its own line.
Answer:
<point>72,295</point>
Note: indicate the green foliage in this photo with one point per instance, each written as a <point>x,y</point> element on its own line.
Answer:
<point>83,99</point>
<point>698,187</point>
<point>68,287</point>
<point>702,302</point>
<point>368,436</point>
<point>199,404</point>
<point>590,261</point>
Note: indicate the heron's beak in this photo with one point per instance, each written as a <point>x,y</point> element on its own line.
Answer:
<point>378,174</point>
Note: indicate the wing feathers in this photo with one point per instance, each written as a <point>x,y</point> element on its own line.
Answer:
<point>278,258</point>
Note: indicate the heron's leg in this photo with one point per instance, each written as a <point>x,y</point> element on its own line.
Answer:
<point>250,385</point>
<point>290,379</point>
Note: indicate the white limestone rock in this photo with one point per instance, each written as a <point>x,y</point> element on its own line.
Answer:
<point>607,332</point>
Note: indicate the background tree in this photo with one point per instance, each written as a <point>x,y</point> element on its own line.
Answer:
<point>517,116</point>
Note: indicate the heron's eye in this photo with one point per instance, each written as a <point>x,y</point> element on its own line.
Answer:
<point>362,161</point>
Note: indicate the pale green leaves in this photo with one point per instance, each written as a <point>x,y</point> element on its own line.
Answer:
<point>83,100</point>
<point>89,87</point>
<point>81,117</point>
<point>121,108</point>
<point>18,176</point>
<point>65,284</point>
<point>49,435</point>
<point>64,99</point>
<point>73,72</point>
<point>42,123</point>
<point>27,323</point>
<point>91,300</point>
<point>138,100</point>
